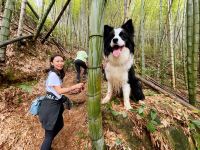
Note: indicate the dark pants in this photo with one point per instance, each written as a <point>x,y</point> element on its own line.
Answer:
<point>50,134</point>
<point>78,65</point>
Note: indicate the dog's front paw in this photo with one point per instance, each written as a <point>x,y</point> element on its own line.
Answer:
<point>105,100</point>
<point>128,107</point>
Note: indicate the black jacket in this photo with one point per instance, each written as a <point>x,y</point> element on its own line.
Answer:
<point>49,111</point>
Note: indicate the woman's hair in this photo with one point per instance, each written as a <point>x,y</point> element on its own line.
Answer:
<point>60,73</point>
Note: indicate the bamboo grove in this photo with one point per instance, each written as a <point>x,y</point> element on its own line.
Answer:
<point>166,37</point>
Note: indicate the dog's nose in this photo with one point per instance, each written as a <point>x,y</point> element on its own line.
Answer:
<point>115,40</point>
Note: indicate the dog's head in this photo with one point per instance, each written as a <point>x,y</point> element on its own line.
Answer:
<point>116,39</point>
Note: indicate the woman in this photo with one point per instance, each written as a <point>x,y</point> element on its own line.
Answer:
<point>51,109</point>
<point>80,61</point>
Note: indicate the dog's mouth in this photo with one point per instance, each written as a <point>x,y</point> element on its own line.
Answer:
<point>117,50</point>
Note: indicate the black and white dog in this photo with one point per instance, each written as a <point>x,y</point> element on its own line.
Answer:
<point>120,74</point>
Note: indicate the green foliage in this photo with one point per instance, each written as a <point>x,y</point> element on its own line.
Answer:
<point>48,23</point>
<point>196,123</point>
<point>153,114</point>
<point>114,13</point>
<point>153,121</point>
<point>116,113</point>
<point>26,86</point>
<point>69,63</point>
<point>9,73</point>
<point>141,110</point>
<point>118,141</point>
<point>151,126</point>
<point>75,9</point>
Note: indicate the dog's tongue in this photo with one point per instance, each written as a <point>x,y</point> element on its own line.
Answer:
<point>117,52</point>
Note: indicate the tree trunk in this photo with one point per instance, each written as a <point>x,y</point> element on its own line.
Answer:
<point>44,17</point>
<point>94,76</point>
<point>125,10</point>
<point>142,39</point>
<point>162,53</point>
<point>184,45</point>
<point>55,23</point>
<point>5,27</point>
<point>171,43</point>
<point>192,47</point>
<point>196,44</point>
<point>2,5</point>
<point>7,42</point>
<point>32,9</point>
<point>21,18</point>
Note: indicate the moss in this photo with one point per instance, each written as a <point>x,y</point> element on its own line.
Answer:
<point>9,74</point>
<point>196,138</point>
<point>26,86</point>
<point>177,138</point>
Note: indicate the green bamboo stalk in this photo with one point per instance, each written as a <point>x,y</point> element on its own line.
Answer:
<point>17,39</point>
<point>33,11</point>
<point>57,20</point>
<point>194,65</point>
<point>184,46</point>
<point>44,17</point>
<point>94,75</point>
<point>189,47</point>
<point>192,47</point>
<point>5,27</point>
<point>162,54</point>
<point>171,44</point>
<point>142,39</point>
<point>21,18</point>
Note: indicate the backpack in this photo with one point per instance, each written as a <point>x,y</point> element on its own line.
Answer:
<point>35,105</point>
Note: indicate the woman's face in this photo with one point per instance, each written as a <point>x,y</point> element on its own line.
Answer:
<point>58,63</point>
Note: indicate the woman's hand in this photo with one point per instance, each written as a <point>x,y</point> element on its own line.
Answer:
<point>78,86</point>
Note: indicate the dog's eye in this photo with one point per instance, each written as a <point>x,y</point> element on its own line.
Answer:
<point>121,34</point>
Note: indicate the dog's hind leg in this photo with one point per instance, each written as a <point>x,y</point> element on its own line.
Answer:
<point>108,95</point>
<point>136,90</point>
<point>136,87</point>
<point>126,93</point>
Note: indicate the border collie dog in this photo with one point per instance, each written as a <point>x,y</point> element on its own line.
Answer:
<point>119,70</point>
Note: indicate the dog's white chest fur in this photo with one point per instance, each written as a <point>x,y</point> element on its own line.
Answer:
<point>117,69</point>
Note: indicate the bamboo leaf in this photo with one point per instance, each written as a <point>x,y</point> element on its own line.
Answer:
<point>153,114</point>
<point>151,127</point>
<point>196,123</point>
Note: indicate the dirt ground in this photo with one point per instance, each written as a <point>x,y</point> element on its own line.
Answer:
<point>19,130</point>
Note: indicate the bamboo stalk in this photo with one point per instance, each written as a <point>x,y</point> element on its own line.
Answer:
<point>5,27</point>
<point>167,93</point>
<point>56,22</point>
<point>94,75</point>
<point>7,42</point>
<point>192,47</point>
<point>32,9</point>
<point>21,19</point>
<point>44,17</point>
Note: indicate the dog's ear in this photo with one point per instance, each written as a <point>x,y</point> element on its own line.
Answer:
<point>128,26</point>
<point>107,30</point>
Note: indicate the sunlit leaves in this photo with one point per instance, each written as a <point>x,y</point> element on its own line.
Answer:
<point>75,8</point>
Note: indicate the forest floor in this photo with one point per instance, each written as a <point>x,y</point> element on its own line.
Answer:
<point>20,130</point>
